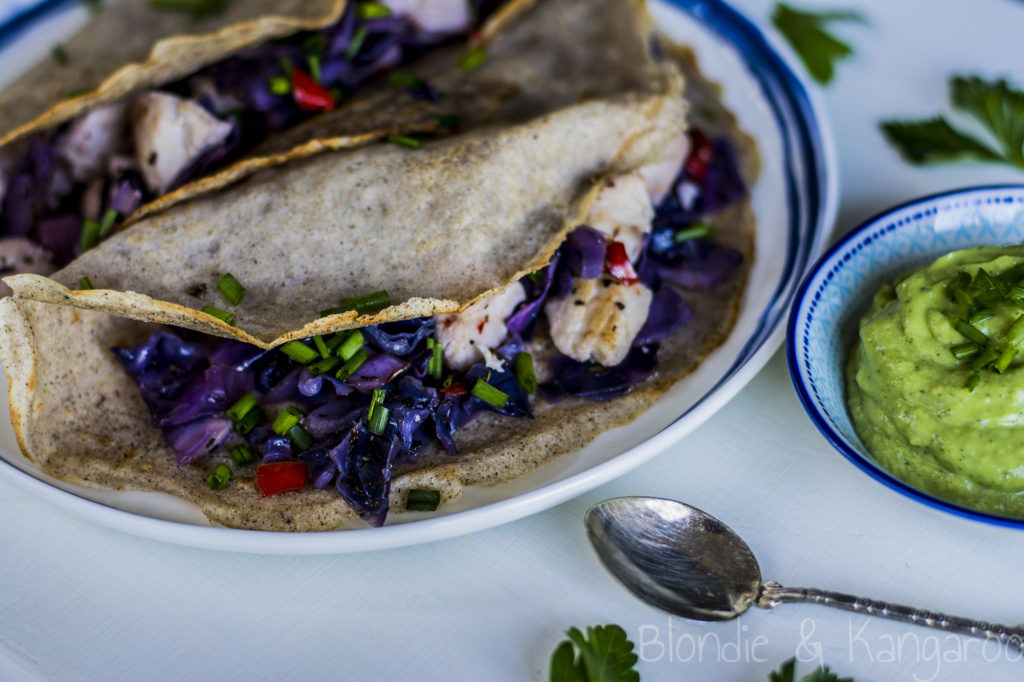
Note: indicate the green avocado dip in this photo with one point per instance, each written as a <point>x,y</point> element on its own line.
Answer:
<point>938,409</point>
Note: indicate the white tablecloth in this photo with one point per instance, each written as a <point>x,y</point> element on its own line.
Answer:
<point>82,602</point>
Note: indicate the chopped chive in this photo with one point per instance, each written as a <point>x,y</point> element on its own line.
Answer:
<point>372,10</point>
<point>337,310</point>
<point>695,231</point>
<point>405,81</point>
<point>279,85</point>
<point>962,298</point>
<point>1015,295</point>
<point>448,121</point>
<point>231,288</point>
<point>352,344</point>
<point>449,380</point>
<point>377,398</point>
<point>241,407</point>
<point>368,303</point>
<point>314,68</point>
<point>241,455</point>
<point>987,298</point>
<point>423,500</point>
<point>489,394</point>
<point>90,235</point>
<point>473,59</point>
<point>980,316</point>
<point>524,373</point>
<point>1015,334</point>
<point>988,355</point>
<point>109,218</point>
<point>323,366</point>
<point>249,422</point>
<point>321,346</point>
<point>377,420</point>
<point>314,44</point>
<point>1006,356</point>
<point>973,380</point>
<point>222,315</point>
<point>986,282</point>
<point>971,332</point>
<point>299,352</point>
<point>964,350</point>
<point>537,276</point>
<point>356,43</point>
<point>404,141</point>
<point>219,477</point>
<point>354,363</point>
<point>300,437</point>
<point>285,420</point>
<point>435,366</point>
<point>85,284</point>
<point>59,55</point>
<point>1013,275</point>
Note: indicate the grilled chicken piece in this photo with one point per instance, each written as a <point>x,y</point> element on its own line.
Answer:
<point>92,140</point>
<point>170,134</point>
<point>659,176</point>
<point>481,324</point>
<point>598,320</point>
<point>434,16</point>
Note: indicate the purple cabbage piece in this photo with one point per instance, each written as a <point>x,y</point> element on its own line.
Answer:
<point>668,312</point>
<point>537,289</point>
<point>311,386</point>
<point>128,194</point>
<point>276,449</point>
<point>595,382</point>
<point>377,371</point>
<point>399,338</point>
<point>322,468</point>
<point>704,265</point>
<point>159,363</point>
<point>333,417</point>
<point>198,438</point>
<point>410,407</point>
<point>59,235</point>
<point>208,393</point>
<point>364,478</point>
<point>584,252</point>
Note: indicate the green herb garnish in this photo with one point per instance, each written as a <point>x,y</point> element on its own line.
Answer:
<point>242,407</point>
<point>197,9</point>
<point>279,85</point>
<point>423,500</point>
<point>404,141</point>
<point>695,231</point>
<point>323,366</point>
<point>805,31</point>
<point>787,673</point>
<point>107,224</point>
<point>222,315</point>
<point>435,366</point>
<point>249,422</point>
<point>372,10</point>
<point>604,654</point>
<point>219,477</point>
<point>353,342</point>
<point>314,68</point>
<point>354,363</point>
<point>997,106</point>
<point>356,44</point>
<point>285,420</point>
<point>299,352</point>
<point>494,397</point>
<point>473,59</point>
<point>59,55</point>
<point>241,455</point>
<point>90,236</point>
<point>300,437</point>
<point>377,415</point>
<point>368,303</point>
<point>321,347</point>
<point>524,373</point>
<point>231,288</point>
<point>85,284</point>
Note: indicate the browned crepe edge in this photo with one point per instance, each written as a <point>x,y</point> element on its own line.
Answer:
<point>175,50</point>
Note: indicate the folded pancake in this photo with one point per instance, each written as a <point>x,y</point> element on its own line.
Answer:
<point>436,227</point>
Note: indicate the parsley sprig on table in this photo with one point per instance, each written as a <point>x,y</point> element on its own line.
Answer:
<point>805,32</point>
<point>605,654</point>
<point>995,104</point>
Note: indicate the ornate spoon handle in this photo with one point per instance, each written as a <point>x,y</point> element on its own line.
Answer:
<point>772,594</point>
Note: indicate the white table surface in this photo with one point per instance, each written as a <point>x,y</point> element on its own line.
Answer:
<point>81,602</point>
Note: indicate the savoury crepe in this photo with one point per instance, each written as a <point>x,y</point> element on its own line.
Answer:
<point>436,227</point>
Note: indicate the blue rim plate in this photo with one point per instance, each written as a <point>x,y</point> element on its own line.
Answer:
<point>795,203</point>
<point>838,288</point>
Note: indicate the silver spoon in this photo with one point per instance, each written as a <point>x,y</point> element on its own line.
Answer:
<point>687,562</point>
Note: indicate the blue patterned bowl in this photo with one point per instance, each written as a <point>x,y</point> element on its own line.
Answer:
<point>824,318</point>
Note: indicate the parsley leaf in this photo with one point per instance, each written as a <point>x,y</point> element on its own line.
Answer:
<point>997,106</point>
<point>805,31</point>
<point>787,673</point>
<point>604,654</point>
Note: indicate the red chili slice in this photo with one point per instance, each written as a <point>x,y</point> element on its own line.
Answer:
<point>458,388</point>
<point>279,477</point>
<point>619,265</point>
<point>701,155</point>
<point>310,95</point>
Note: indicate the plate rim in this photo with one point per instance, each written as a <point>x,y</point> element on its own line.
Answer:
<point>814,148</point>
<point>795,341</point>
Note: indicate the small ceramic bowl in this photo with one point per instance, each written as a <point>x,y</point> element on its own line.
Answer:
<point>839,287</point>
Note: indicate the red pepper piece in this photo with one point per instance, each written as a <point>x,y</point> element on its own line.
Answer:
<point>458,388</point>
<point>279,477</point>
<point>310,95</point>
<point>619,265</point>
<point>701,155</point>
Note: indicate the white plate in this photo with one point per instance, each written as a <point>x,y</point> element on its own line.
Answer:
<point>795,203</point>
